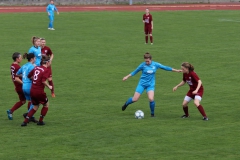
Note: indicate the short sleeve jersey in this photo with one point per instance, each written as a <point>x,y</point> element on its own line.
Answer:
<point>192,80</point>
<point>14,68</point>
<point>147,19</point>
<point>38,75</point>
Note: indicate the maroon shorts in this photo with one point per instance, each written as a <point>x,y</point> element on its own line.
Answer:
<point>21,95</point>
<point>38,97</point>
<point>200,93</point>
<point>148,29</point>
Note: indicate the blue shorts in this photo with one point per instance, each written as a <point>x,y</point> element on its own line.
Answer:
<point>26,91</point>
<point>51,17</point>
<point>140,88</point>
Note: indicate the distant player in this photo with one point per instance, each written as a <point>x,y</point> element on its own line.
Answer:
<point>147,81</point>
<point>27,83</point>
<point>48,52</point>
<point>50,10</point>
<point>36,50</point>
<point>38,96</point>
<point>148,26</point>
<point>17,58</point>
<point>195,92</point>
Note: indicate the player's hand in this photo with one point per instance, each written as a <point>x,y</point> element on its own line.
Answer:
<point>195,92</point>
<point>174,88</point>
<point>179,70</point>
<point>125,78</point>
<point>50,87</point>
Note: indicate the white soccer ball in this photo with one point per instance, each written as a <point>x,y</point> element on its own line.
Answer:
<point>139,114</point>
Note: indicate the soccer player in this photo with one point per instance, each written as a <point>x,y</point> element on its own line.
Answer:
<point>27,83</point>
<point>147,81</point>
<point>38,96</point>
<point>48,52</point>
<point>36,50</point>
<point>17,58</point>
<point>148,26</point>
<point>50,10</point>
<point>195,92</point>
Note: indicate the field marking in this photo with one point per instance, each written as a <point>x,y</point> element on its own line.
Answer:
<point>228,20</point>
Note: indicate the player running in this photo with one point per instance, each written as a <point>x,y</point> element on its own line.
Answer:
<point>17,58</point>
<point>38,96</point>
<point>36,50</point>
<point>26,82</point>
<point>147,81</point>
<point>50,10</point>
<point>195,92</point>
<point>48,52</point>
<point>148,26</point>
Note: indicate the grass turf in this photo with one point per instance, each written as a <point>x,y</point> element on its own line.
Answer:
<point>93,51</point>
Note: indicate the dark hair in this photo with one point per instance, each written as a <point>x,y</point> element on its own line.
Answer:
<point>28,56</point>
<point>188,66</point>
<point>147,56</point>
<point>34,38</point>
<point>44,59</point>
<point>15,56</point>
<point>42,38</point>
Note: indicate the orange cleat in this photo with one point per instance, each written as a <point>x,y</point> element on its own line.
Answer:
<point>53,95</point>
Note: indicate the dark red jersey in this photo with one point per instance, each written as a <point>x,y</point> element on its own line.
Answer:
<point>192,80</point>
<point>46,51</point>
<point>39,75</point>
<point>14,68</point>
<point>147,19</point>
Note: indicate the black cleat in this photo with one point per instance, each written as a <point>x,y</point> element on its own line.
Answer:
<point>152,115</point>
<point>124,107</point>
<point>185,116</point>
<point>205,118</point>
<point>25,115</point>
<point>24,124</point>
<point>32,119</point>
<point>40,123</point>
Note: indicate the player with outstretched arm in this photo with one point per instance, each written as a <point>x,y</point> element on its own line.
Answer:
<point>147,81</point>
<point>50,10</point>
<point>17,58</point>
<point>148,26</point>
<point>38,96</point>
<point>195,92</point>
<point>48,52</point>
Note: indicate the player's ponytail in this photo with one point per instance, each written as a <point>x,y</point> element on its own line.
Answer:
<point>25,55</point>
<point>188,66</point>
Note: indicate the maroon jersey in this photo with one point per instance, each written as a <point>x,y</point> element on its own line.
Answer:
<point>39,75</point>
<point>46,51</point>
<point>14,68</point>
<point>147,19</point>
<point>192,80</point>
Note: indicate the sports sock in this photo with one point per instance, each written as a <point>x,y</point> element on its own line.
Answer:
<point>29,104</point>
<point>146,39</point>
<point>152,106</point>
<point>201,110</point>
<point>151,39</point>
<point>29,115</point>
<point>185,109</point>
<point>51,84</point>
<point>129,101</point>
<point>43,113</point>
<point>16,106</point>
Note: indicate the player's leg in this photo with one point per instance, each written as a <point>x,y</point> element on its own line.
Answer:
<point>150,34</point>
<point>30,114</point>
<point>197,101</point>
<point>146,34</point>
<point>50,26</point>
<point>186,100</point>
<point>17,105</point>
<point>44,101</point>
<point>150,93</point>
<point>136,96</point>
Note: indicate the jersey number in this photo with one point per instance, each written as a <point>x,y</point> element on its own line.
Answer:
<point>36,73</point>
<point>13,76</point>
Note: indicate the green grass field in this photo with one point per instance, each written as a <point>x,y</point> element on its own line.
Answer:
<point>93,52</point>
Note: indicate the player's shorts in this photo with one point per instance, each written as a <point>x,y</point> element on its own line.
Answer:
<point>191,96</point>
<point>148,29</point>
<point>51,17</point>
<point>26,91</point>
<point>140,88</point>
<point>21,95</point>
<point>38,97</point>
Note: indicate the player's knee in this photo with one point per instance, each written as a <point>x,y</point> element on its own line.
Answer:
<point>151,99</point>
<point>196,103</point>
<point>135,99</point>
<point>150,34</point>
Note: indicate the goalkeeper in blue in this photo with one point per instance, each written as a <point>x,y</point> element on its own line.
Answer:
<point>147,81</point>
<point>50,10</point>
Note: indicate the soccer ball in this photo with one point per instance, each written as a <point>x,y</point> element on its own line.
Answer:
<point>139,114</point>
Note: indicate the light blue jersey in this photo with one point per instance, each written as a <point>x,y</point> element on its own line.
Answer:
<point>37,52</point>
<point>148,73</point>
<point>27,83</point>
<point>51,8</point>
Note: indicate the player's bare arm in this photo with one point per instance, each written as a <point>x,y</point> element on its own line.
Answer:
<point>179,85</point>
<point>46,84</point>
<point>176,70</point>
<point>126,77</point>
<point>198,86</point>
<point>17,79</point>
<point>152,24</point>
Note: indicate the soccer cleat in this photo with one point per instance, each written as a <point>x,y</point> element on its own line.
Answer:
<point>32,119</point>
<point>40,123</point>
<point>24,124</point>
<point>25,115</point>
<point>10,116</point>
<point>152,115</point>
<point>151,43</point>
<point>124,107</point>
<point>49,28</point>
<point>53,95</point>
<point>185,116</point>
<point>52,29</point>
<point>205,118</point>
